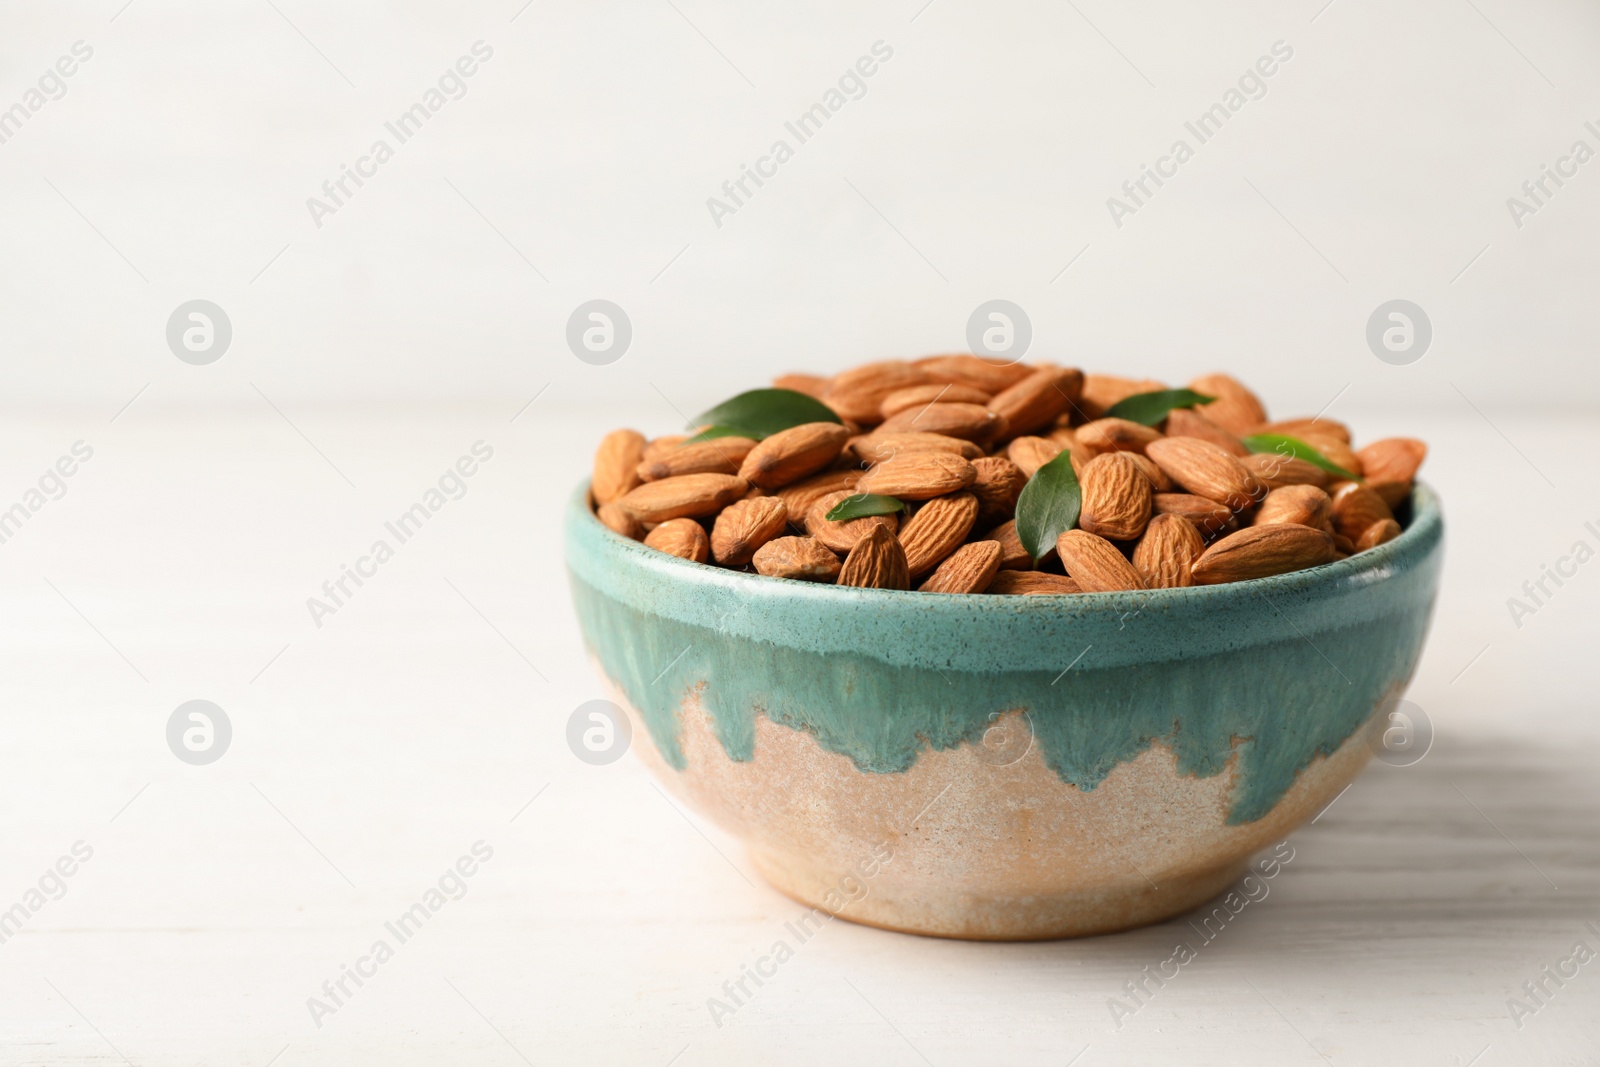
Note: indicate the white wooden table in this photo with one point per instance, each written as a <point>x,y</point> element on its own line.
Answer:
<point>428,713</point>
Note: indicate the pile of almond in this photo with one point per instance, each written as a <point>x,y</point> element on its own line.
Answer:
<point>956,438</point>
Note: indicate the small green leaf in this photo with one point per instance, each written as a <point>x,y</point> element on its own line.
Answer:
<point>760,413</point>
<point>1298,449</point>
<point>1147,409</point>
<point>1048,506</point>
<point>861,505</point>
<point>711,432</point>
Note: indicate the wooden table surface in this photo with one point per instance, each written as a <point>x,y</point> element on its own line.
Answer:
<point>374,747</point>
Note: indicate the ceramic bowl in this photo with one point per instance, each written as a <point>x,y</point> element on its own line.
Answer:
<point>1004,767</point>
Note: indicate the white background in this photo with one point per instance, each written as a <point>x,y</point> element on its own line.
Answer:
<point>427,312</point>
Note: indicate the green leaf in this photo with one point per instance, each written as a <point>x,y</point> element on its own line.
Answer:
<point>710,433</point>
<point>1293,446</point>
<point>1048,506</point>
<point>761,413</point>
<point>1147,409</point>
<point>861,505</point>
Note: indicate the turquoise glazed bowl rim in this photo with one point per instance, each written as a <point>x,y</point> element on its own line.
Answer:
<point>983,632</point>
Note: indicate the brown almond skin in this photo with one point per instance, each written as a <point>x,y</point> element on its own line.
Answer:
<point>843,536</point>
<point>619,521</point>
<point>1276,471</point>
<point>1031,453</point>
<point>801,558</point>
<point>1095,564</point>
<point>1300,427</point>
<point>798,496</point>
<point>615,460</point>
<point>683,538</point>
<point>1182,422</point>
<point>997,487</point>
<point>744,526</point>
<point>1391,465</point>
<point>858,393</point>
<point>1102,391</point>
<point>1116,435</point>
<point>969,370</point>
<point>1207,516</point>
<point>918,476</point>
<point>1207,470</point>
<point>936,530</point>
<point>789,455</point>
<point>1376,534</point>
<point>917,396</point>
<point>1262,551</point>
<point>1303,504</point>
<point>1035,401</point>
<point>685,496</point>
<point>1164,555</point>
<point>1236,409</point>
<point>809,384</point>
<point>877,562</point>
<point>1031,583</point>
<point>880,446</point>
<point>970,422</point>
<point>1116,497</point>
<point>1335,449</point>
<point>1355,507</point>
<point>1013,557</point>
<point>660,446</point>
<point>1159,482</point>
<point>969,569</point>
<point>720,455</point>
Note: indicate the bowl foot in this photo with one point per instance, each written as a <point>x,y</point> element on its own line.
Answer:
<point>937,912</point>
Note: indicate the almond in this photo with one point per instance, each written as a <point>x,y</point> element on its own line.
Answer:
<point>687,495</point>
<point>809,384</point>
<point>746,525</point>
<point>1116,435</point>
<point>798,496</point>
<point>1095,564</point>
<point>1181,422</point>
<point>936,530</point>
<point>791,454</point>
<point>879,446</point>
<point>969,569</point>
<point>683,538</point>
<point>1355,507</point>
<point>1167,551</point>
<point>841,536</point>
<point>1116,497</point>
<point>614,461</point>
<point>1262,551</point>
<point>801,558</point>
<point>1390,466</point>
<point>719,455</point>
<point>1303,504</point>
<point>1207,516</point>
<point>1376,534</point>
<point>1205,469</point>
<point>1101,391</point>
<point>1276,471</point>
<point>1035,401</point>
<point>918,476</point>
<point>858,393</point>
<point>997,487</point>
<point>978,373</point>
<point>1153,474</point>
<point>1031,453</point>
<point>1236,408</point>
<point>917,396</point>
<point>1334,449</point>
<point>660,446</point>
<point>619,521</point>
<point>1013,557</point>
<point>1032,583</point>
<point>971,422</point>
<point>877,562</point>
<point>1318,426</point>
